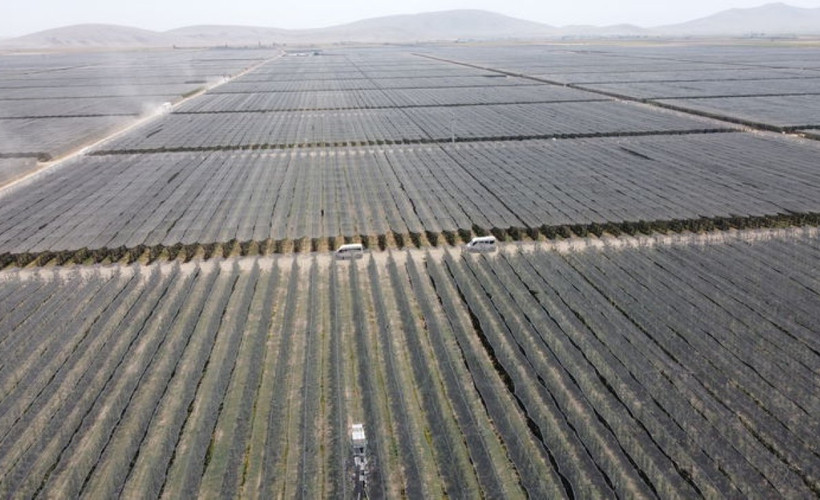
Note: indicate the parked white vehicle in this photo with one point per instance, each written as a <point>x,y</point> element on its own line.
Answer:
<point>350,251</point>
<point>482,244</point>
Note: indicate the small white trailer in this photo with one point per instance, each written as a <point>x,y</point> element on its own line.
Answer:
<point>358,441</point>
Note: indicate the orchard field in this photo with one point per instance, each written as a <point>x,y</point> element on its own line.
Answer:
<point>173,322</point>
<point>535,372</point>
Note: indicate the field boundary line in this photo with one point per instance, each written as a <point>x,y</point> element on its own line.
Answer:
<point>560,238</point>
<point>266,263</point>
<point>411,142</point>
<point>392,106</point>
<point>651,102</point>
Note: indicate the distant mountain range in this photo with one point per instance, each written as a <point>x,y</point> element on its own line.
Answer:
<point>769,19</point>
<point>772,19</point>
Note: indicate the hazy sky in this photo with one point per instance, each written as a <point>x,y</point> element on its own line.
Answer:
<point>19,17</point>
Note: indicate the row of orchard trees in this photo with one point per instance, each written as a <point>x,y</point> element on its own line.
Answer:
<point>407,195</point>
<point>616,372</point>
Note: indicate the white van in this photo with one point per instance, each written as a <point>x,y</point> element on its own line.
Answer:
<point>350,251</point>
<point>482,244</point>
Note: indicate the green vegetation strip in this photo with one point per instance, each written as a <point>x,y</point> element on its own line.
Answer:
<point>387,142</point>
<point>79,115</point>
<point>392,106</point>
<point>204,251</point>
<point>40,156</point>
